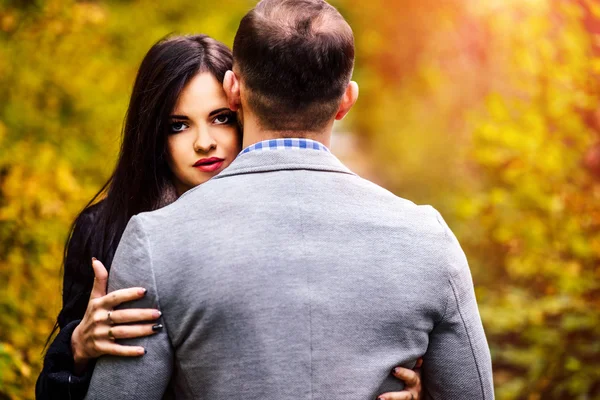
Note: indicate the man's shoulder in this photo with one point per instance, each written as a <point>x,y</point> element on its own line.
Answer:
<point>422,222</point>
<point>401,206</point>
<point>173,213</point>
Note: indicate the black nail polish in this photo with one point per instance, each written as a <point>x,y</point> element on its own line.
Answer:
<point>395,370</point>
<point>145,351</point>
<point>145,291</point>
<point>157,327</point>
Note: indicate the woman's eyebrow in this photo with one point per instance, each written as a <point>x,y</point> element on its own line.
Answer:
<point>179,116</point>
<point>218,111</point>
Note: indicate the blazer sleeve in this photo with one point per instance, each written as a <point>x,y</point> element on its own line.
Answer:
<point>57,379</point>
<point>145,377</point>
<point>457,364</point>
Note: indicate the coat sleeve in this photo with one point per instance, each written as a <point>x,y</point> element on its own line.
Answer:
<point>147,376</point>
<point>457,364</point>
<point>57,379</point>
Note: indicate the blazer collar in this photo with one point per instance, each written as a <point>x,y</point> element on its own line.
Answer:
<point>284,159</point>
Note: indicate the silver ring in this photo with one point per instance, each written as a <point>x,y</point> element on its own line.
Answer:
<point>109,319</point>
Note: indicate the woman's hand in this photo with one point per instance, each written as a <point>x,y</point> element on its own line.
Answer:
<point>412,382</point>
<point>96,333</point>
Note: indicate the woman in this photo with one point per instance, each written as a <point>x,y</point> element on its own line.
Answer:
<point>177,114</point>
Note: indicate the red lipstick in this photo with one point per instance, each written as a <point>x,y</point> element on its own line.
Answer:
<point>209,164</point>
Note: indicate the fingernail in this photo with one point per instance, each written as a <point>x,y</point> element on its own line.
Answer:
<point>395,370</point>
<point>143,292</point>
<point>94,259</point>
<point>145,351</point>
<point>157,327</point>
<point>157,314</point>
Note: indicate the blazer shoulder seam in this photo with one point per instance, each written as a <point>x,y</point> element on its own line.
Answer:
<point>446,268</point>
<point>477,366</point>
<point>148,245</point>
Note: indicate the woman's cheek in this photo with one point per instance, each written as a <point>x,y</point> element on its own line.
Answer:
<point>175,150</point>
<point>235,143</point>
<point>170,156</point>
<point>174,157</point>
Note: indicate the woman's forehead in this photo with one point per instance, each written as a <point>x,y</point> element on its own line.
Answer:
<point>203,93</point>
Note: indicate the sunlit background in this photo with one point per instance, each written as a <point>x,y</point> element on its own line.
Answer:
<point>488,110</point>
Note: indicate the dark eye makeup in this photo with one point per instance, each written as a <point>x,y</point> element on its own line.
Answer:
<point>222,116</point>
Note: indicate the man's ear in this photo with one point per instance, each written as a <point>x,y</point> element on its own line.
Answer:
<point>348,100</point>
<point>231,85</point>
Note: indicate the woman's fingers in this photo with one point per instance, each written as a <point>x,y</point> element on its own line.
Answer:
<point>120,350</point>
<point>132,331</point>
<point>95,334</point>
<point>412,384</point>
<point>410,377</point>
<point>117,297</point>
<point>100,279</point>
<point>397,396</point>
<point>134,315</point>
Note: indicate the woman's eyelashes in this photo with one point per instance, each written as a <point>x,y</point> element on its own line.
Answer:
<point>226,118</point>
<point>178,126</point>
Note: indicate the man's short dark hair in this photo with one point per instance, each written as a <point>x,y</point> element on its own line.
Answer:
<point>296,58</point>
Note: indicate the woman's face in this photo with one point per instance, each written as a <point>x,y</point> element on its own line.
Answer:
<point>203,137</point>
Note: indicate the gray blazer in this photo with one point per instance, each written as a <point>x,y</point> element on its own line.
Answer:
<point>289,277</point>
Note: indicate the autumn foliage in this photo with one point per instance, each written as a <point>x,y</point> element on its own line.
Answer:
<point>488,110</point>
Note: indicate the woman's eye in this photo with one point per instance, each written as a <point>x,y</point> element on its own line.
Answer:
<point>223,119</point>
<point>178,127</point>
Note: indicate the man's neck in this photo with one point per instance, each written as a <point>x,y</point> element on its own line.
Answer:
<point>253,133</point>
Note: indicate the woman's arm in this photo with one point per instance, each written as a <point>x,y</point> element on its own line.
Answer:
<point>70,359</point>
<point>57,380</point>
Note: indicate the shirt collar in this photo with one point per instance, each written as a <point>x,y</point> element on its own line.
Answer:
<point>288,143</point>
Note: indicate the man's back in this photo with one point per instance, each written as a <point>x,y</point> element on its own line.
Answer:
<point>287,276</point>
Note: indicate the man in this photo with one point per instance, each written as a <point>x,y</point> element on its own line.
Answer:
<point>308,282</point>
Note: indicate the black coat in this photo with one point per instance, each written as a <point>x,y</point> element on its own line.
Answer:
<point>57,379</point>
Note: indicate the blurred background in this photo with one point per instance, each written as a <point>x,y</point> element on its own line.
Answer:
<point>487,110</point>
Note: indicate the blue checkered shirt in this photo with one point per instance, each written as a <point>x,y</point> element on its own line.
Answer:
<point>275,144</point>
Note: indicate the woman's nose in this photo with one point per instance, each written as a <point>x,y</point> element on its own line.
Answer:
<point>204,142</point>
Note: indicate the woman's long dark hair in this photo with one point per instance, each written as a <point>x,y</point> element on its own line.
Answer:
<point>142,180</point>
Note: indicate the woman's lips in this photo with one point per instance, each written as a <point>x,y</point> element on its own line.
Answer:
<point>209,164</point>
